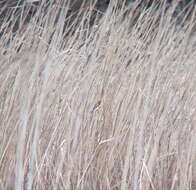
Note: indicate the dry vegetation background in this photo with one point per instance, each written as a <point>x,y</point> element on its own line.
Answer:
<point>109,105</point>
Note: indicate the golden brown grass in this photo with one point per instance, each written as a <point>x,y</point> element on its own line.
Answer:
<point>111,107</point>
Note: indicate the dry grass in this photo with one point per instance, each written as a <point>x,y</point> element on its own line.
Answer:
<point>111,107</point>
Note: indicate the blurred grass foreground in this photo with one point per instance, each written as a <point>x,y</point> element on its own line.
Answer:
<point>97,95</point>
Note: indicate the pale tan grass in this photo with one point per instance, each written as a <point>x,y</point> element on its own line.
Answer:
<point>111,106</point>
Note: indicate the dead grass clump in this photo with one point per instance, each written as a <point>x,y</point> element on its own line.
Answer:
<point>111,106</point>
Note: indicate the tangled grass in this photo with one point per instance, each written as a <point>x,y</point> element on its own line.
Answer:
<point>107,106</point>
